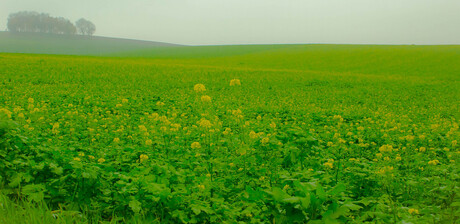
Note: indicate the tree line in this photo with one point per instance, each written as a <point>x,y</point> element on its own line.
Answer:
<point>29,21</point>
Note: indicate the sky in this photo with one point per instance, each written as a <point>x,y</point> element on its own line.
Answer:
<point>219,22</point>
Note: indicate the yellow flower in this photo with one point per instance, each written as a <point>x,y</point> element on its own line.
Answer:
<point>116,140</point>
<point>422,149</point>
<point>433,162</point>
<point>124,100</point>
<point>253,134</point>
<point>30,100</point>
<point>81,154</point>
<point>101,160</point>
<point>386,148</point>
<point>159,103</point>
<point>286,187</point>
<point>148,142</point>
<point>196,145</point>
<point>7,112</point>
<point>413,211</point>
<point>205,99</point>
<point>231,164</point>
<point>91,157</point>
<point>199,88</point>
<point>329,144</point>
<point>77,159</point>
<point>208,175</point>
<point>204,123</point>
<point>119,105</point>
<point>201,186</point>
<point>143,157</point>
<point>265,140</point>
<point>142,128</point>
<point>235,82</point>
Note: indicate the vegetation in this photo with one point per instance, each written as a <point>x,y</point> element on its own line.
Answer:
<point>248,134</point>
<point>41,43</point>
<point>34,22</point>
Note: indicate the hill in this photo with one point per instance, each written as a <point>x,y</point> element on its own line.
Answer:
<point>39,43</point>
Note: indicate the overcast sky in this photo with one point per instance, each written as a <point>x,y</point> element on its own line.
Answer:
<point>202,22</point>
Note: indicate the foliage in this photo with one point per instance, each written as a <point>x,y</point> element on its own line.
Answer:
<point>197,140</point>
<point>85,27</point>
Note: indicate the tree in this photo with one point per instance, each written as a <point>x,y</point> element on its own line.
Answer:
<point>39,23</point>
<point>85,27</point>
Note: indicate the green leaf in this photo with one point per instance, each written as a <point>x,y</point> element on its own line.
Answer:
<point>352,206</point>
<point>339,188</point>
<point>321,193</point>
<point>291,200</point>
<point>306,202</point>
<point>35,192</point>
<point>16,180</point>
<point>277,194</point>
<point>196,209</point>
<point>135,205</point>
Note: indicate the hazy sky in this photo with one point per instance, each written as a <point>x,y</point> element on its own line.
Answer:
<point>199,22</point>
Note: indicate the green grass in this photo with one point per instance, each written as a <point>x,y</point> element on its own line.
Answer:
<point>39,43</point>
<point>314,133</point>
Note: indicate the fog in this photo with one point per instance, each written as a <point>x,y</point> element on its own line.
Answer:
<point>209,22</point>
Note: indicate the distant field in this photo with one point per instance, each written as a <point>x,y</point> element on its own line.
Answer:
<point>37,43</point>
<point>225,134</point>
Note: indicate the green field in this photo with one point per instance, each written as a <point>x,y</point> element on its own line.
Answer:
<point>42,43</point>
<point>232,134</point>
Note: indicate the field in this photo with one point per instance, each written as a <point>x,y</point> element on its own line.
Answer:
<point>232,134</point>
<point>43,43</point>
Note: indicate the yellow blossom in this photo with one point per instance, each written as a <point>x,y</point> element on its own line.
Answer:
<point>77,159</point>
<point>199,88</point>
<point>413,211</point>
<point>196,145</point>
<point>235,82</point>
<point>101,160</point>
<point>81,154</point>
<point>386,148</point>
<point>148,142</point>
<point>433,162</point>
<point>265,140</point>
<point>205,99</point>
<point>143,157</point>
<point>116,140</point>
<point>204,123</point>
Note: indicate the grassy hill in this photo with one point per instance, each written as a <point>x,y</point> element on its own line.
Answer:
<point>38,43</point>
<point>357,59</point>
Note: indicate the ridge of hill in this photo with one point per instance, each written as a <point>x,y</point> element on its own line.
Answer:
<point>41,43</point>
